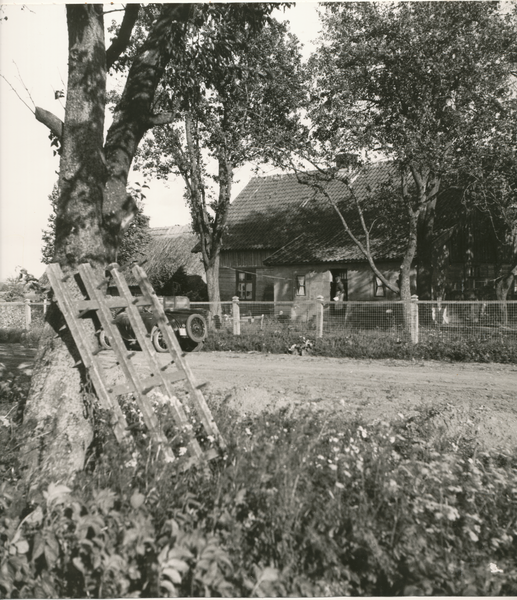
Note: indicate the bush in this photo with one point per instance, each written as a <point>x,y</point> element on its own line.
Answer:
<point>366,345</point>
<point>303,504</point>
<point>17,335</point>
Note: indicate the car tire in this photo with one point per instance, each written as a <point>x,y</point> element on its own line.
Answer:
<point>158,341</point>
<point>104,340</point>
<point>196,328</point>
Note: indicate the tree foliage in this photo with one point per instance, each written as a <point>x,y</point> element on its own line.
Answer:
<point>229,111</point>
<point>420,82</point>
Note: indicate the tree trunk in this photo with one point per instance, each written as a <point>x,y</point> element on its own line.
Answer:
<point>212,283</point>
<point>91,214</point>
<point>502,287</point>
<point>134,116</point>
<point>57,431</point>
<point>405,269</point>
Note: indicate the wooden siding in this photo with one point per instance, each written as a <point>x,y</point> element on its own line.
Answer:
<point>243,258</point>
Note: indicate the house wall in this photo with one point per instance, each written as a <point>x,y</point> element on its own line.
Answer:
<point>319,277</point>
<point>279,283</point>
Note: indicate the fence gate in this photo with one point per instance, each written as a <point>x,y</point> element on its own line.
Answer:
<point>89,300</point>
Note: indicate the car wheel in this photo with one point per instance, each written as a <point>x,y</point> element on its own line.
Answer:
<point>158,341</point>
<point>104,340</point>
<point>196,328</point>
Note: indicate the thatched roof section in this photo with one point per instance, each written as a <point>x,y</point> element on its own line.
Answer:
<point>171,248</point>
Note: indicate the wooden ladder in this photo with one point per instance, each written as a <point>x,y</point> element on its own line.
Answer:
<point>161,376</point>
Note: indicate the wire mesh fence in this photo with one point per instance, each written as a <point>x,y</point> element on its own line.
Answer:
<point>418,321</point>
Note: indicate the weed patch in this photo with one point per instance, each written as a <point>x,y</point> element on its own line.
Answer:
<point>368,344</point>
<point>303,504</point>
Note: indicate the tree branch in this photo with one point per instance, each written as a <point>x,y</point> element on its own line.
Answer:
<point>49,120</point>
<point>163,118</point>
<point>121,42</point>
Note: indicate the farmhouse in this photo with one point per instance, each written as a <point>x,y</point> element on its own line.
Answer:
<point>284,242</point>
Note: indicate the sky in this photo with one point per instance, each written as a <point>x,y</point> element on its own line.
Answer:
<point>33,52</point>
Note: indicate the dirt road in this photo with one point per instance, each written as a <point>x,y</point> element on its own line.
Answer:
<point>485,394</point>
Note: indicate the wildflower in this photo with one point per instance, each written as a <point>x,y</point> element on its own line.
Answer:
<point>132,462</point>
<point>182,450</point>
<point>340,485</point>
<point>494,568</point>
<point>247,431</point>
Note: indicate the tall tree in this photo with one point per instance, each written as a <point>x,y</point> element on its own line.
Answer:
<point>229,111</point>
<point>415,81</point>
<point>134,239</point>
<point>94,208</point>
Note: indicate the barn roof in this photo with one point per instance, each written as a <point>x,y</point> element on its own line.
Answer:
<point>296,222</point>
<point>272,211</point>
<point>171,247</point>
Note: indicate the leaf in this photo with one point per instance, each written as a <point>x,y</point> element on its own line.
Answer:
<point>137,499</point>
<point>22,547</point>
<point>172,574</point>
<point>56,493</point>
<point>269,574</point>
<point>170,588</point>
<point>179,565</point>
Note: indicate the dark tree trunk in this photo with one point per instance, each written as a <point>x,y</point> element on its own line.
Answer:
<point>57,430</point>
<point>92,212</point>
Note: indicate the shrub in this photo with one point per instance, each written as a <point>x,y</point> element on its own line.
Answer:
<point>303,503</point>
<point>371,344</point>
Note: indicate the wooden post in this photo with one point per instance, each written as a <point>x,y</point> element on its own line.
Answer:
<point>319,317</point>
<point>414,319</point>
<point>45,306</point>
<point>236,315</point>
<point>28,314</point>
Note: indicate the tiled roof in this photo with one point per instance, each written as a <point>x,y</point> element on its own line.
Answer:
<point>310,248</point>
<point>271,211</point>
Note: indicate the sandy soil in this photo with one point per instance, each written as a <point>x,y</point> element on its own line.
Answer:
<point>483,395</point>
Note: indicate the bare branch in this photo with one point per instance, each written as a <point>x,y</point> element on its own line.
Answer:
<point>23,83</point>
<point>14,90</point>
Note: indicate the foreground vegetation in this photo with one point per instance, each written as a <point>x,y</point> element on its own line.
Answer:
<point>304,503</point>
<point>373,344</point>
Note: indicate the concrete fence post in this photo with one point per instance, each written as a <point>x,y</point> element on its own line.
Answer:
<point>236,315</point>
<point>414,319</point>
<point>28,314</point>
<point>319,317</point>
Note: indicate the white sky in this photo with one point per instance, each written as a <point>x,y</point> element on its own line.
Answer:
<point>33,51</point>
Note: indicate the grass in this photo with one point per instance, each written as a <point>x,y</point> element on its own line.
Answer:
<point>304,503</point>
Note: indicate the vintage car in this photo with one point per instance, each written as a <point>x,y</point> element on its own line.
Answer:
<point>189,325</point>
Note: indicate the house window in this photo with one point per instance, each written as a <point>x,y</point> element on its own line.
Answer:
<point>340,285</point>
<point>379,291</point>
<point>245,285</point>
<point>300,285</point>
